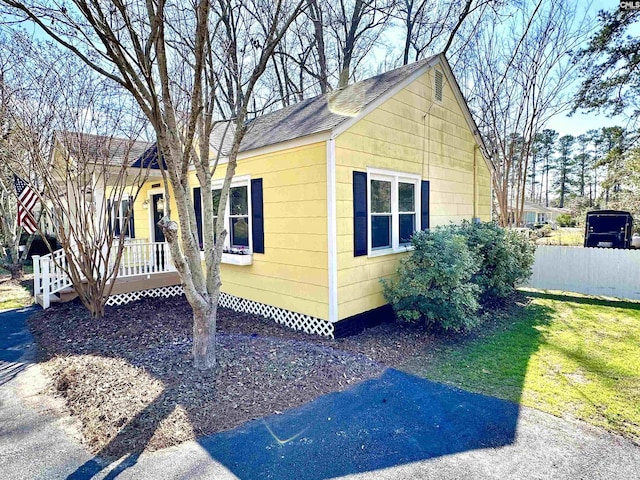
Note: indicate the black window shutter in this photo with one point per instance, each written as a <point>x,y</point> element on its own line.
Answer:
<point>132,224</point>
<point>257,220</point>
<point>197,207</point>
<point>359,214</point>
<point>110,215</point>
<point>424,193</point>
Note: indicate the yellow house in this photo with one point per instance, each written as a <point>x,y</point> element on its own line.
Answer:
<point>328,191</point>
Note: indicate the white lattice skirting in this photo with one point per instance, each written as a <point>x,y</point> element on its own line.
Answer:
<point>296,321</point>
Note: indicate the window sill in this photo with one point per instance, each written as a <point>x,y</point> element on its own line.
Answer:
<point>233,258</point>
<point>390,251</point>
<point>237,259</point>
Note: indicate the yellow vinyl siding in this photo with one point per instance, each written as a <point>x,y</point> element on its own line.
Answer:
<point>408,133</point>
<point>292,273</point>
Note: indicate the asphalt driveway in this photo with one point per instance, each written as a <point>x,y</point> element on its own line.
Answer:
<point>396,426</point>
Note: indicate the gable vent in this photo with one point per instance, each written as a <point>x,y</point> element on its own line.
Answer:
<point>439,85</point>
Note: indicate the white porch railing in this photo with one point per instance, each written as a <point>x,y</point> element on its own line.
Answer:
<point>143,259</point>
<point>50,277</point>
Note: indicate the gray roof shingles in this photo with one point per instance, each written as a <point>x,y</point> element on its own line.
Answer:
<point>324,112</point>
<point>85,147</point>
<point>304,118</point>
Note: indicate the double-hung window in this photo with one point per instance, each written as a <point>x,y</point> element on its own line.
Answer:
<point>237,214</point>
<point>118,212</point>
<point>393,207</point>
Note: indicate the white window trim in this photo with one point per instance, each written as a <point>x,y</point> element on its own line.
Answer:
<point>395,178</point>
<point>239,181</point>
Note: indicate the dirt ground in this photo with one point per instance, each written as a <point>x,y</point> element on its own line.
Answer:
<point>127,378</point>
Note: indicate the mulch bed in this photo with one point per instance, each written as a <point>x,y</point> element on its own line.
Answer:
<point>128,377</point>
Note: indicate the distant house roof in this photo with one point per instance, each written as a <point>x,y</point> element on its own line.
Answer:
<point>85,147</point>
<point>536,207</point>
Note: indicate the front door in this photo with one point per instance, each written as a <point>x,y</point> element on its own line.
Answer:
<point>157,201</point>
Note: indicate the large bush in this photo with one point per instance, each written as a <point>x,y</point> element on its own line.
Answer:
<point>505,257</point>
<point>433,283</point>
<point>455,270</point>
<point>565,220</point>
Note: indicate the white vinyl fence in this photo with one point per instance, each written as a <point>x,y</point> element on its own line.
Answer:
<point>592,271</point>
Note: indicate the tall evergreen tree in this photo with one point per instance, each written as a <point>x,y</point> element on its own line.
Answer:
<point>614,145</point>
<point>610,66</point>
<point>545,147</point>
<point>582,162</point>
<point>564,165</point>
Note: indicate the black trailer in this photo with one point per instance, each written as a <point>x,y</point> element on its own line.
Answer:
<point>608,229</point>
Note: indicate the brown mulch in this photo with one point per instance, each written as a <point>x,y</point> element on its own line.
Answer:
<point>129,381</point>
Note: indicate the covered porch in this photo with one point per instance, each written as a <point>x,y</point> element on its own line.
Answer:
<point>145,266</point>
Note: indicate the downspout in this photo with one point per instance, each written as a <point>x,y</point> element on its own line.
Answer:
<point>332,240</point>
<point>476,217</point>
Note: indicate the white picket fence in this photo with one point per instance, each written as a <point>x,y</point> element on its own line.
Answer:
<point>592,271</point>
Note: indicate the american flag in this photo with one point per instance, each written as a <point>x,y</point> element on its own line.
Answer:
<point>27,199</point>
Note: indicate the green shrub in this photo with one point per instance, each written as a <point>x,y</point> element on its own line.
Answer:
<point>505,257</point>
<point>456,269</point>
<point>433,285</point>
<point>565,220</point>
<point>542,232</point>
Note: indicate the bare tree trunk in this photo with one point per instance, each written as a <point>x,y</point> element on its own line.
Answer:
<point>204,328</point>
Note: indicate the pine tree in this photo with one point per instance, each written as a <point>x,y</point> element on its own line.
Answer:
<point>564,165</point>
<point>544,147</point>
<point>610,68</point>
<point>583,162</point>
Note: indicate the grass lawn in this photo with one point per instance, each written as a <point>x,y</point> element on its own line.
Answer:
<point>14,294</point>
<point>566,355</point>
<point>564,236</point>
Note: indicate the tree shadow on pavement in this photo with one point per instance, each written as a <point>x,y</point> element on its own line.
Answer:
<point>15,343</point>
<point>392,420</point>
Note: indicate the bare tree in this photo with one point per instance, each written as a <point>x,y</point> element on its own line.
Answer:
<point>354,27</point>
<point>521,74</point>
<point>168,57</point>
<point>431,25</point>
<point>53,101</point>
<point>12,256</point>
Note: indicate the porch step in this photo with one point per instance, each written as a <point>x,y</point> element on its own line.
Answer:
<point>52,299</point>
<point>67,294</point>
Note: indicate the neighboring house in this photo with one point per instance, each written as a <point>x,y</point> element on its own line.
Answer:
<point>328,192</point>
<point>536,214</point>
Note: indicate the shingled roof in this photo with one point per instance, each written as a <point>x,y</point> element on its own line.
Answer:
<point>317,114</point>
<point>308,117</point>
<point>85,147</point>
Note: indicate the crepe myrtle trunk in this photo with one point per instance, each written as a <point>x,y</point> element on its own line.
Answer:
<point>204,340</point>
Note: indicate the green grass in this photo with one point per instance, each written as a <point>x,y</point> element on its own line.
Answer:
<point>564,236</point>
<point>569,356</point>
<point>14,294</point>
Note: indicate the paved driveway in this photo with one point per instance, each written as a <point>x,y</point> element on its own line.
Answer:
<point>397,426</point>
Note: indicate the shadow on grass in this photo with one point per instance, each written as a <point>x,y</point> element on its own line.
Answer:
<point>492,360</point>
<point>384,422</point>
<point>586,300</point>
